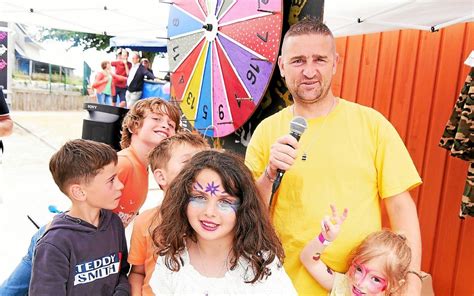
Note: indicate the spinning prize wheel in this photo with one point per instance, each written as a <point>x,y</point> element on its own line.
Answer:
<point>222,54</point>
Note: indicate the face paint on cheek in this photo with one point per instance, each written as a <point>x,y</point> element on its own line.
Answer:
<point>197,202</point>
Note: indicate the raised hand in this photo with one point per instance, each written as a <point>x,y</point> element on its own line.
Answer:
<point>330,226</point>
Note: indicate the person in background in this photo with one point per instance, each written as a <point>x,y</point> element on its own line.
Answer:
<point>84,250</point>
<point>350,155</point>
<point>166,161</point>
<point>6,123</point>
<point>135,80</point>
<point>104,83</point>
<point>146,63</point>
<point>122,67</point>
<point>215,235</point>
<point>147,123</point>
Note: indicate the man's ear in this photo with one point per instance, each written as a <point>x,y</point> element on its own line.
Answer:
<point>77,192</point>
<point>281,66</point>
<point>160,178</point>
<point>336,62</point>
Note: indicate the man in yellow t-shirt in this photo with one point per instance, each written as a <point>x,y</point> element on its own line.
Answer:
<point>349,156</point>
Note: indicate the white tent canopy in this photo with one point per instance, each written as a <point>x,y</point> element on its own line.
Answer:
<point>143,19</point>
<point>148,18</point>
<point>346,17</point>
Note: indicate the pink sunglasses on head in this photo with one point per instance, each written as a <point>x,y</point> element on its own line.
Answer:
<point>360,272</point>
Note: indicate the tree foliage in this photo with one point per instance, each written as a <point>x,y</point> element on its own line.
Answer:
<point>84,40</point>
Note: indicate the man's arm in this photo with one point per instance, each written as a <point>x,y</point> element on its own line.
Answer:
<point>127,68</point>
<point>404,218</point>
<point>148,74</point>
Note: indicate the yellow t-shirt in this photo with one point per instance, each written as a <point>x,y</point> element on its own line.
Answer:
<point>340,285</point>
<point>354,158</point>
<point>142,251</point>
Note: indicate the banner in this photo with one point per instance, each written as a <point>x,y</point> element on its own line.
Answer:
<point>3,56</point>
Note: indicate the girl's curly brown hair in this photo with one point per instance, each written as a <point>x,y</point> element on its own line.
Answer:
<point>134,118</point>
<point>255,239</point>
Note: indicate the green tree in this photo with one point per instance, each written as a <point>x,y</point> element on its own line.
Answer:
<point>85,40</point>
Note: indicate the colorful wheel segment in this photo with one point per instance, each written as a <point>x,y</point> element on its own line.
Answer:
<point>222,54</point>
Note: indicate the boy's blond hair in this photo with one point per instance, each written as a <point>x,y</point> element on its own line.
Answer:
<point>79,161</point>
<point>134,118</point>
<point>161,154</point>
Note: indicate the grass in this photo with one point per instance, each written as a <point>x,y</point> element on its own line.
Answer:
<point>71,80</point>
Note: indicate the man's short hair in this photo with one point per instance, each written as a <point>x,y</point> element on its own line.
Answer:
<point>308,25</point>
<point>79,161</point>
<point>161,154</point>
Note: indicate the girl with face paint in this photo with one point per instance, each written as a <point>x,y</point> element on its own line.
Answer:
<point>378,266</point>
<point>215,235</point>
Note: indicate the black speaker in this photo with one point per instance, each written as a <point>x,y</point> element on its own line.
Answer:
<point>103,124</point>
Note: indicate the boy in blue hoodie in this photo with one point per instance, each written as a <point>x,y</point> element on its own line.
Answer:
<point>84,250</point>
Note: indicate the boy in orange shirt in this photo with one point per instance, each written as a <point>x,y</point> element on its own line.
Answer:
<point>147,123</point>
<point>166,161</point>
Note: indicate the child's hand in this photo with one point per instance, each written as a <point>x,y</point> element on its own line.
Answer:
<point>330,226</point>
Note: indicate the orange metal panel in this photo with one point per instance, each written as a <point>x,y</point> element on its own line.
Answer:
<point>431,205</point>
<point>403,82</point>
<point>415,77</point>
<point>465,256</point>
<point>422,100</point>
<point>465,260</point>
<point>448,226</point>
<point>386,71</point>
<point>351,68</point>
<point>337,79</point>
<point>368,69</point>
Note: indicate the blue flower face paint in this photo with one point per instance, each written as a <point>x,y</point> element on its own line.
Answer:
<point>223,205</point>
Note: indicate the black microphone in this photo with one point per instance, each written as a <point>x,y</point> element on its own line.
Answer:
<point>297,127</point>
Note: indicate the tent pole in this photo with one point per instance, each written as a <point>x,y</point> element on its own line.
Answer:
<point>50,77</point>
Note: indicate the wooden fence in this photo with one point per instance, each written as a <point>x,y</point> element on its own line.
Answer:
<point>414,78</point>
<point>33,100</point>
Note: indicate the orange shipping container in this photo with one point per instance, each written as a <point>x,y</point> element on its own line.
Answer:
<point>413,78</point>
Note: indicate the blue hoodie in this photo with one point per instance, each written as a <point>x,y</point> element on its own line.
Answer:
<point>76,258</point>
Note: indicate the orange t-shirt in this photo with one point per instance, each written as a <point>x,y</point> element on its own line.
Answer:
<point>141,246</point>
<point>134,176</point>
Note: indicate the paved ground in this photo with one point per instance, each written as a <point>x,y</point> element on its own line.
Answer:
<point>26,186</point>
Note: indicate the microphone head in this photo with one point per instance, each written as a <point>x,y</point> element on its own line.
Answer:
<point>298,125</point>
